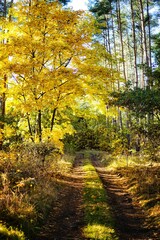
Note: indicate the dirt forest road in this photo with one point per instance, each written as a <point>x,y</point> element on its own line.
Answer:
<point>66,220</point>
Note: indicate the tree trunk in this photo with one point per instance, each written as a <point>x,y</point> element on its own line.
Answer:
<point>53,118</point>
<point>144,38</point>
<point>30,128</point>
<point>142,61</point>
<point>39,125</point>
<point>3,112</point>
<point>149,34</point>
<point>134,44</point>
<point>121,37</point>
<point>149,45</point>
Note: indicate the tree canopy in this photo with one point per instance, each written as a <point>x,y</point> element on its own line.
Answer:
<point>50,62</point>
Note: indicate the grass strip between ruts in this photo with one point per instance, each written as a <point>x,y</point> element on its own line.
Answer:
<point>98,217</point>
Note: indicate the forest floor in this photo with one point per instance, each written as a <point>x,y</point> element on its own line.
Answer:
<point>66,219</point>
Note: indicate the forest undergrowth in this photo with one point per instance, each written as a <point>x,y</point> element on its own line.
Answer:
<point>28,188</point>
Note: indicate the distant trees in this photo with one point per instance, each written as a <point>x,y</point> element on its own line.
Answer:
<point>128,30</point>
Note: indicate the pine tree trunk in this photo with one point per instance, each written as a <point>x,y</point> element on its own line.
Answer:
<point>142,82</point>
<point>118,12</point>
<point>121,37</point>
<point>144,38</point>
<point>149,34</point>
<point>149,45</point>
<point>134,45</point>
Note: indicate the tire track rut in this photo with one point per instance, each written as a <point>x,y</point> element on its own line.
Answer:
<point>65,220</point>
<point>129,217</point>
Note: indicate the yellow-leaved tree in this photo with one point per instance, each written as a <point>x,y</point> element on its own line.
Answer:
<point>51,63</point>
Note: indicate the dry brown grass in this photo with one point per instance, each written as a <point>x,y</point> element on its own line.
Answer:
<point>28,186</point>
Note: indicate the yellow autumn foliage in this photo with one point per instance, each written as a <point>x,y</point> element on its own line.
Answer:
<point>50,62</point>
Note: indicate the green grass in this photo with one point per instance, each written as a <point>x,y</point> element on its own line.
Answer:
<point>98,217</point>
<point>10,233</point>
